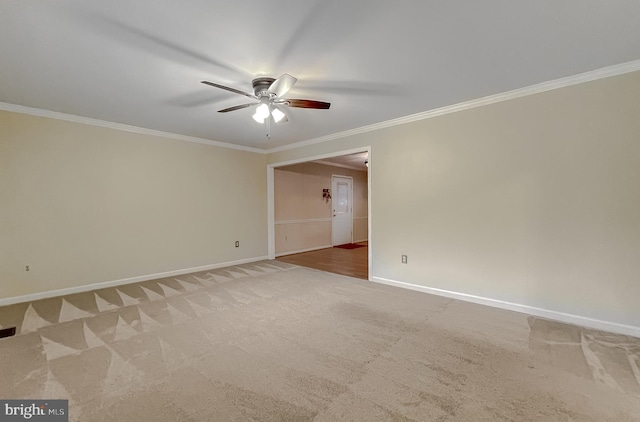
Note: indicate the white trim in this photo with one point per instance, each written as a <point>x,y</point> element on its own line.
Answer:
<point>592,75</point>
<point>344,166</point>
<point>316,248</point>
<point>306,220</point>
<point>114,283</point>
<point>271,227</point>
<point>597,324</point>
<point>361,240</point>
<point>369,199</point>
<point>119,126</point>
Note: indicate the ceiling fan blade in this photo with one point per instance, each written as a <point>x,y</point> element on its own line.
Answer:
<point>238,107</point>
<point>282,85</point>
<point>308,104</point>
<point>236,91</point>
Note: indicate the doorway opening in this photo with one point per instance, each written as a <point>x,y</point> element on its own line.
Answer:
<point>319,212</point>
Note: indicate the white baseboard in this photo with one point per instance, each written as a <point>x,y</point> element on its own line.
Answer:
<point>361,240</point>
<point>102,285</point>
<point>317,248</point>
<point>597,324</point>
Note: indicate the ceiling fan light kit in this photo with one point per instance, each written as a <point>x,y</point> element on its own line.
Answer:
<point>269,94</point>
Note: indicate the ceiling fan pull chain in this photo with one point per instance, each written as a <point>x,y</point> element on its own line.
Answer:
<point>268,119</point>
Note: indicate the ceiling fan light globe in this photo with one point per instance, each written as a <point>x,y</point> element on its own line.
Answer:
<point>262,111</point>
<point>277,115</point>
<point>258,118</point>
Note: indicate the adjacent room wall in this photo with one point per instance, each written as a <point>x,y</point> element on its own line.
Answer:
<point>82,204</point>
<point>302,216</point>
<point>532,201</point>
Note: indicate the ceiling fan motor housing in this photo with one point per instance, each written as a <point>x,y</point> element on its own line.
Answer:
<point>261,86</point>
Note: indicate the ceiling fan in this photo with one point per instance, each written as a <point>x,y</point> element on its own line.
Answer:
<point>270,101</point>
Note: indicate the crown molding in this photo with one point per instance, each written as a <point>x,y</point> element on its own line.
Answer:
<point>592,75</point>
<point>119,126</point>
<point>589,76</point>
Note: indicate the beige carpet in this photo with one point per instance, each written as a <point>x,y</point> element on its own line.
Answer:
<point>271,341</point>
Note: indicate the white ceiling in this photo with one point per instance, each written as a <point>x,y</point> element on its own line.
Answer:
<point>140,62</point>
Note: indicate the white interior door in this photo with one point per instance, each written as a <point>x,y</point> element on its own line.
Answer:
<point>342,205</point>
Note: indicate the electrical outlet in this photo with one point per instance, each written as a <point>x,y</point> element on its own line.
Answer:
<point>27,268</point>
<point>404,259</point>
<point>237,243</point>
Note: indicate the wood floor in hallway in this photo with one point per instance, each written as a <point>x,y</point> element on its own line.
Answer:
<point>351,262</point>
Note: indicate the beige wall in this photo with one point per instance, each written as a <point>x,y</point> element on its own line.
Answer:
<point>302,216</point>
<point>533,201</point>
<point>83,204</point>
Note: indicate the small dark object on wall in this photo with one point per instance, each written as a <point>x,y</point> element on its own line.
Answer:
<point>326,194</point>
